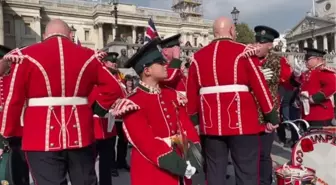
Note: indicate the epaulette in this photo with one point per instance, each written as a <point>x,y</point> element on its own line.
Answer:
<point>15,56</point>
<point>328,68</point>
<point>123,106</point>
<point>250,50</point>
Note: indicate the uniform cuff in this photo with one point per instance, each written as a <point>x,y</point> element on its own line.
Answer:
<point>173,163</point>
<point>194,119</point>
<point>272,117</point>
<point>175,63</point>
<point>98,109</point>
<point>318,97</point>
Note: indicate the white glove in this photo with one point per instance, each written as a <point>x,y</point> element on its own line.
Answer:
<point>190,171</point>
<point>268,73</point>
<point>299,67</point>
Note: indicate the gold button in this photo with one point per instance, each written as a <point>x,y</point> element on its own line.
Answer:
<point>74,126</point>
<point>76,142</point>
<point>165,109</point>
<point>51,144</point>
<point>51,127</point>
<point>173,132</point>
<point>170,124</point>
<point>162,102</point>
<point>168,116</point>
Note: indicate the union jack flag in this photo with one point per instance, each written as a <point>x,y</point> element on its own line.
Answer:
<point>151,31</point>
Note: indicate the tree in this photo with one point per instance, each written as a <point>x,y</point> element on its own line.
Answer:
<point>244,33</point>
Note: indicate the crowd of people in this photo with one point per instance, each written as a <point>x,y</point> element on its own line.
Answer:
<point>66,106</point>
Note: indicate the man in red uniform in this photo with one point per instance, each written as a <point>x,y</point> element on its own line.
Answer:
<point>219,95</point>
<point>111,62</point>
<point>159,128</point>
<point>277,72</point>
<point>55,77</point>
<point>317,89</point>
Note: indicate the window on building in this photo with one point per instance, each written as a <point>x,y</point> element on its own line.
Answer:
<point>27,29</point>
<point>195,41</point>
<point>7,29</point>
<point>87,35</point>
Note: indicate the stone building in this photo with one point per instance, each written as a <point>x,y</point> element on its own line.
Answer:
<point>22,22</point>
<point>317,29</point>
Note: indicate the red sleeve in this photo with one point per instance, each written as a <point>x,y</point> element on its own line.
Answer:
<point>109,90</point>
<point>285,71</point>
<point>261,90</point>
<point>193,88</point>
<point>328,83</point>
<point>10,124</point>
<point>174,74</point>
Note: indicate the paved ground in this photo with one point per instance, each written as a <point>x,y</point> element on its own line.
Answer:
<point>280,155</point>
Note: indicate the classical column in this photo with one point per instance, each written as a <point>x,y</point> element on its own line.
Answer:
<point>2,37</point>
<point>134,34</point>
<point>334,43</point>
<point>325,42</point>
<point>315,43</point>
<point>100,36</point>
<point>305,43</point>
<point>18,30</point>
<point>38,28</point>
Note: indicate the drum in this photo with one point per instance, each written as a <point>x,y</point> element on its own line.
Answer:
<point>295,175</point>
<point>317,150</point>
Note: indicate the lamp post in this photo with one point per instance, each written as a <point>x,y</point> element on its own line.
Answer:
<point>235,13</point>
<point>115,13</point>
<point>73,33</point>
<point>280,45</point>
<point>311,25</point>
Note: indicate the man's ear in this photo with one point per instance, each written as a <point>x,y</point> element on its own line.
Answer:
<point>146,71</point>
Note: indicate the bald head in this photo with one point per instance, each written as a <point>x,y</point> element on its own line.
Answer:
<point>57,26</point>
<point>223,27</point>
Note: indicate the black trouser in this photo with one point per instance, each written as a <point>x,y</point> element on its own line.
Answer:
<point>266,166</point>
<point>245,156</point>
<point>202,138</point>
<point>20,170</point>
<point>121,145</point>
<point>105,150</point>
<point>51,168</point>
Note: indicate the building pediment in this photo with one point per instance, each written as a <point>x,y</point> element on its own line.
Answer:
<point>309,23</point>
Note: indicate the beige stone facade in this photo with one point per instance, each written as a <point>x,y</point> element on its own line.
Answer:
<point>22,22</point>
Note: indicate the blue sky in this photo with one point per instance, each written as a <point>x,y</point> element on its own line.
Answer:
<point>279,14</point>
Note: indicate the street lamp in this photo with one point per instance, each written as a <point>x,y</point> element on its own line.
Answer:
<point>115,13</point>
<point>73,33</point>
<point>311,25</point>
<point>235,13</point>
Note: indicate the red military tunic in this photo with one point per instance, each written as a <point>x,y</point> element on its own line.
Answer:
<point>319,82</point>
<point>56,76</point>
<point>218,90</point>
<point>149,129</point>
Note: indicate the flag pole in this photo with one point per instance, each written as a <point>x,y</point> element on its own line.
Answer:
<point>313,7</point>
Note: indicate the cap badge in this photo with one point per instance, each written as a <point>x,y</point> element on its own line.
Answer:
<point>263,32</point>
